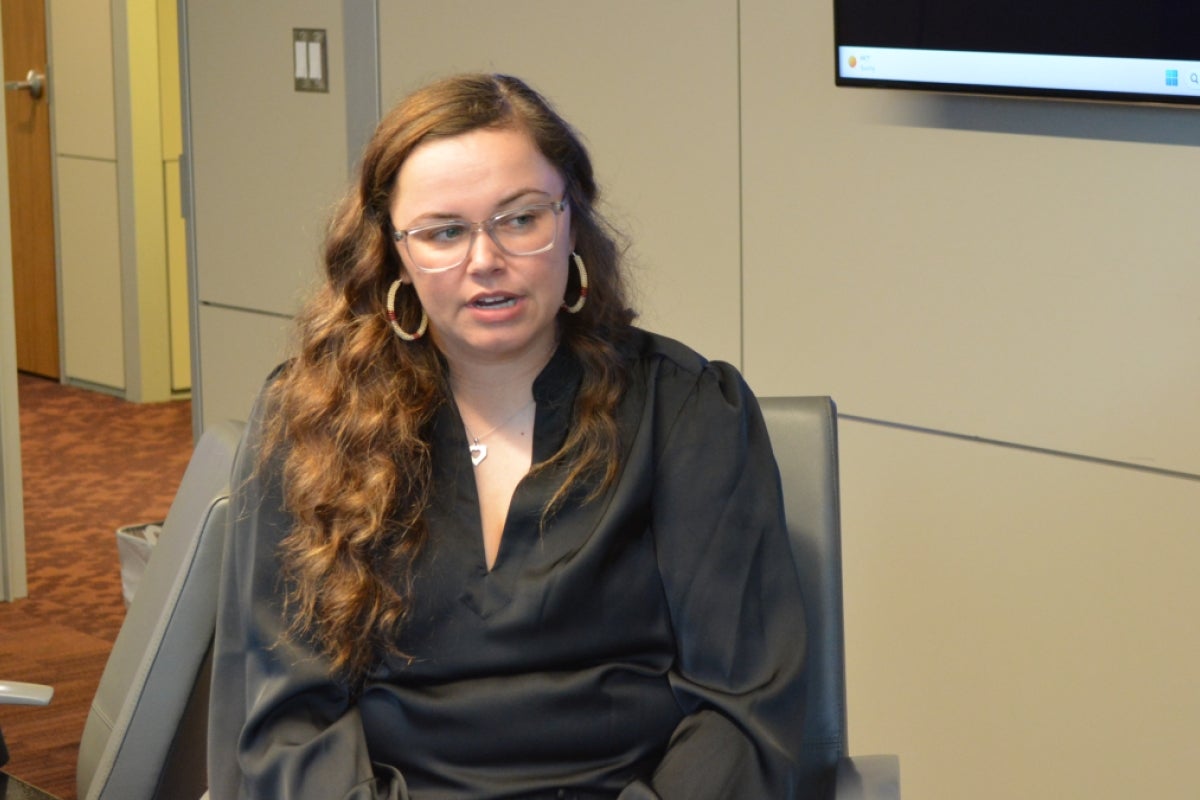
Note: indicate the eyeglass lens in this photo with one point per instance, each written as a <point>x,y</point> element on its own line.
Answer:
<point>521,232</point>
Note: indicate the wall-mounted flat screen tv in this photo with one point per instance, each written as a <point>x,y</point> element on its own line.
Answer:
<point>1124,50</point>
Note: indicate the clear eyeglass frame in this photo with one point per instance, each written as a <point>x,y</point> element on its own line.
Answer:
<point>487,226</point>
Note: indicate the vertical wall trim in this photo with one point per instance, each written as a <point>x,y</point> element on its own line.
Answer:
<point>741,203</point>
<point>360,45</point>
<point>126,207</point>
<point>187,199</point>
<point>12,509</point>
<point>58,249</point>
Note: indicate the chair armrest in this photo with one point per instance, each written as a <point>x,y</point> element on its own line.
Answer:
<point>22,694</point>
<point>25,694</point>
<point>868,778</point>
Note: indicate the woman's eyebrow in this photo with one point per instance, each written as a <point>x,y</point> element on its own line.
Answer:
<point>512,198</point>
<point>446,216</point>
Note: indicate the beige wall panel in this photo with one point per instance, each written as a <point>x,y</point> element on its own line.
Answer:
<point>242,347</point>
<point>82,78</point>
<point>177,281</point>
<point>653,88</point>
<point>273,159</point>
<point>1012,270</point>
<point>90,268</point>
<point>1019,625</point>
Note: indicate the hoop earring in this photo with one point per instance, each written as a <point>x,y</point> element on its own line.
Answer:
<point>391,313</point>
<point>583,287</point>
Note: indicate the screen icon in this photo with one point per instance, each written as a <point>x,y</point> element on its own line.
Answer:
<point>1172,77</point>
<point>1195,78</point>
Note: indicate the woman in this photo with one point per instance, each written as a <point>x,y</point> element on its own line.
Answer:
<point>490,540</point>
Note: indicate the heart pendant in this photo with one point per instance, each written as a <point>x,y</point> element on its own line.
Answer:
<point>478,453</point>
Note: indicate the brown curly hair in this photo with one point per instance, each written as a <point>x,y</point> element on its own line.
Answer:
<point>349,418</point>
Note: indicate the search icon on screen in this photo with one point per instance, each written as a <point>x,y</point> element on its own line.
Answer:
<point>1194,77</point>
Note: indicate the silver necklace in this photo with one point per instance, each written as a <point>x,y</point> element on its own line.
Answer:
<point>477,448</point>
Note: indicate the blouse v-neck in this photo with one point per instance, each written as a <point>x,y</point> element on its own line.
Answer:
<point>456,490</point>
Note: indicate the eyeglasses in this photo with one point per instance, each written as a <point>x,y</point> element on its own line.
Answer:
<point>524,231</point>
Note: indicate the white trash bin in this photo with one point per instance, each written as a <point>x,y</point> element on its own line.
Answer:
<point>135,543</point>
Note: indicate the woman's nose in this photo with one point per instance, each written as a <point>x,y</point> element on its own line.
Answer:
<point>484,254</point>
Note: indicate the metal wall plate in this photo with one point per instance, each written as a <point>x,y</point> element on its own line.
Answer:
<point>310,58</point>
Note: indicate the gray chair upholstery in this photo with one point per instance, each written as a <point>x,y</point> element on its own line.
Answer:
<point>803,433</point>
<point>145,734</point>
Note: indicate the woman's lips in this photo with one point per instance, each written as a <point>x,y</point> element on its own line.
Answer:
<point>488,302</point>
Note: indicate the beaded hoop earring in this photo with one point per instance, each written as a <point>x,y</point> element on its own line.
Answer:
<point>583,287</point>
<point>391,313</point>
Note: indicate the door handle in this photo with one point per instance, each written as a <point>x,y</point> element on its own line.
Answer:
<point>34,81</point>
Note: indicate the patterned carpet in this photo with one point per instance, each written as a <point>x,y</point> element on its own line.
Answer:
<point>92,463</point>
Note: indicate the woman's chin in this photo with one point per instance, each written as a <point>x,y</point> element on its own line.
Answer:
<point>500,344</point>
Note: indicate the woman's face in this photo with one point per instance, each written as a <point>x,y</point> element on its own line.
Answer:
<point>495,307</point>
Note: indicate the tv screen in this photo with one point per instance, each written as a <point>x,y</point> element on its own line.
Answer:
<point>1126,50</point>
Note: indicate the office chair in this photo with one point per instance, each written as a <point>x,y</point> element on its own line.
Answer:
<point>145,736</point>
<point>803,433</point>
<point>135,750</point>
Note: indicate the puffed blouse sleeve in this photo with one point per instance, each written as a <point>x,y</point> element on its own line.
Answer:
<point>734,597</point>
<point>280,728</point>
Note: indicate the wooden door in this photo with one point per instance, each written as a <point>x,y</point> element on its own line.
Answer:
<point>30,187</point>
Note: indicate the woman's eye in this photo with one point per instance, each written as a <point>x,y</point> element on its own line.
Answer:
<point>443,234</point>
<point>520,219</point>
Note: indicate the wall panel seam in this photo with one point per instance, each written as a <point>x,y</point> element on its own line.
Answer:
<point>1029,448</point>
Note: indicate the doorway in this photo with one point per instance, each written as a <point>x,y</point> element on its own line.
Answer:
<point>30,187</point>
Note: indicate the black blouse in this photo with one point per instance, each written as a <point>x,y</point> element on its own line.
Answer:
<point>647,644</point>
